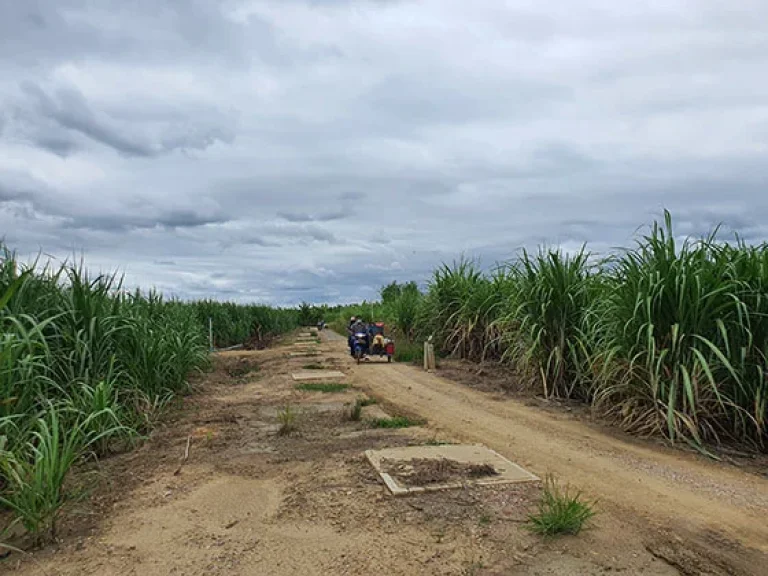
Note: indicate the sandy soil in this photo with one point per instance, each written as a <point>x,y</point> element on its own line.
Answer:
<point>252,501</point>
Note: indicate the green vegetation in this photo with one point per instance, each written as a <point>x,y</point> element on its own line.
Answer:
<point>367,401</point>
<point>322,387</point>
<point>238,324</point>
<point>394,422</point>
<point>288,418</point>
<point>559,511</point>
<point>409,352</point>
<point>314,366</point>
<point>86,368</point>
<point>667,338</point>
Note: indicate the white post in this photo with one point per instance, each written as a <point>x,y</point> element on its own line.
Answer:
<point>210,333</point>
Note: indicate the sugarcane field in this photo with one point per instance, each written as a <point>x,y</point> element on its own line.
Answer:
<point>383,287</point>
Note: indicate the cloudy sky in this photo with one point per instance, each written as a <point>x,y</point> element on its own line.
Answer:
<point>289,150</point>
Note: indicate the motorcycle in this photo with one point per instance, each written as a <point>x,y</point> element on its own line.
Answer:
<point>360,345</point>
<point>371,342</point>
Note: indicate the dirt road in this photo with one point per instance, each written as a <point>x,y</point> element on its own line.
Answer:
<point>251,500</point>
<point>682,504</point>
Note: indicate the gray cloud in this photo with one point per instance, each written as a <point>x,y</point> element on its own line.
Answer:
<point>69,110</point>
<point>321,217</point>
<point>168,220</point>
<point>280,151</point>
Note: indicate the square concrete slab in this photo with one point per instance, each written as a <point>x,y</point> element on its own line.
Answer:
<point>317,375</point>
<point>307,354</point>
<point>464,465</point>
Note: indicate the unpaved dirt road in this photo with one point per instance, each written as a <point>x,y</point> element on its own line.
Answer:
<point>251,501</point>
<point>683,505</point>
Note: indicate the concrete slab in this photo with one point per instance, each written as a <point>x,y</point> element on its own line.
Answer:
<point>507,472</point>
<point>317,375</point>
<point>308,354</point>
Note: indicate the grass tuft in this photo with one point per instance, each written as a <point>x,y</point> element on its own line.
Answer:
<point>560,511</point>
<point>288,418</point>
<point>313,366</point>
<point>329,387</point>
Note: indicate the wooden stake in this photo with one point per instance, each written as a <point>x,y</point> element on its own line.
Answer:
<point>185,457</point>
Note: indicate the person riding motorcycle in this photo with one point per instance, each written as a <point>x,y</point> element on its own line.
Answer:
<point>357,326</point>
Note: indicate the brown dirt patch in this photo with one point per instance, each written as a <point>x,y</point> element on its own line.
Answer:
<point>425,471</point>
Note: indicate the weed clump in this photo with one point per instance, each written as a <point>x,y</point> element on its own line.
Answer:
<point>288,418</point>
<point>559,511</point>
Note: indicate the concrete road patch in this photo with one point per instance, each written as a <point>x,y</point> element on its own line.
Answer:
<point>317,375</point>
<point>506,472</point>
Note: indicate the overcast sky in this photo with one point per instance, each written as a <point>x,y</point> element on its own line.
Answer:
<point>288,150</point>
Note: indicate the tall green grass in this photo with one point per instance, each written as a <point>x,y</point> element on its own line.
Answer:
<point>238,324</point>
<point>682,339</point>
<point>668,337</point>
<point>543,322</point>
<point>86,366</point>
